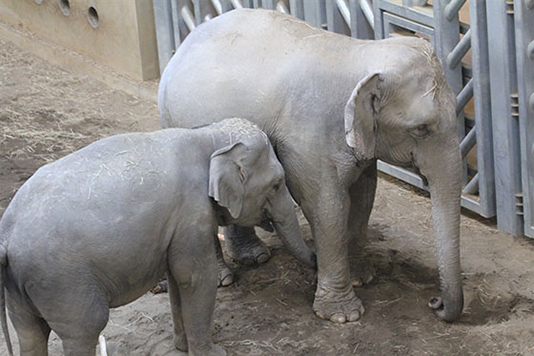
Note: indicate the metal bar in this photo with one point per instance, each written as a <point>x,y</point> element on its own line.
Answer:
<point>315,12</point>
<point>401,173</point>
<point>344,10</point>
<point>360,26</point>
<point>175,14</point>
<point>391,21</point>
<point>267,4</point>
<point>334,18</point>
<point>483,115</point>
<point>415,180</point>
<point>524,27</point>
<point>217,6</point>
<point>454,58</point>
<point>197,11</point>
<point>472,186</point>
<point>506,147</point>
<point>282,7</point>
<point>465,95</point>
<point>188,18</point>
<point>452,9</point>
<point>414,2</point>
<point>237,4</point>
<point>378,14</point>
<point>367,11</point>
<point>468,142</point>
<point>422,15</point>
<point>297,8</point>
<point>447,37</point>
<point>164,32</point>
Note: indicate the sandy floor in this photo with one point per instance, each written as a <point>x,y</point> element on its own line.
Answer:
<point>46,113</point>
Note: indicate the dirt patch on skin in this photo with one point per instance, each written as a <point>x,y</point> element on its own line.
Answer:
<point>46,113</point>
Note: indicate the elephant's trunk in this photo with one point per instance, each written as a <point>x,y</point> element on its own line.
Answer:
<point>445,191</point>
<point>285,222</point>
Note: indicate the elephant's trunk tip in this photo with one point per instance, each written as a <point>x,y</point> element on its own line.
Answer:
<point>447,313</point>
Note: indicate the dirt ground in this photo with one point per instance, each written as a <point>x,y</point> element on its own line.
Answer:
<point>45,113</point>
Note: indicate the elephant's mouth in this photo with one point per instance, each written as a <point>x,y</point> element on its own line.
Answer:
<point>266,225</point>
<point>418,171</point>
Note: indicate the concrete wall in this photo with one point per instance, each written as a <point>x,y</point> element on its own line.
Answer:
<point>123,38</point>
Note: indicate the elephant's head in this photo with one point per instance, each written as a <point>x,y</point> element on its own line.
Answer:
<point>404,113</point>
<point>247,180</point>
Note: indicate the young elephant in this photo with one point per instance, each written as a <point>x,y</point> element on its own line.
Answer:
<point>99,227</point>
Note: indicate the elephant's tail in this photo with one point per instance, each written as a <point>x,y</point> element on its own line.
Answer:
<point>3,316</point>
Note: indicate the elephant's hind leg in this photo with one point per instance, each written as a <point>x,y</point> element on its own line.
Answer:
<point>362,197</point>
<point>244,246</point>
<point>32,331</point>
<point>79,321</point>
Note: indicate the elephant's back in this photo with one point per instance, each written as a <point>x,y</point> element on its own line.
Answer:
<point>239,64</point>
<point>101,191</point>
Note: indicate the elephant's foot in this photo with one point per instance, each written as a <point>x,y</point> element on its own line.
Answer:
<point>180,342</point>
<point>226,277</point>
<point>362,273</point>
<point>337,306</point>
<point>161,287</point>
<point>248,251</point>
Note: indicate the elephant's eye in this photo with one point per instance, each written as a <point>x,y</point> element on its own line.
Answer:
<point>278,184</point>
<point>421,131</point>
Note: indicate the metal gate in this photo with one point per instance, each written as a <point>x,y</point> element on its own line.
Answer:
<point>495,127</point>
<point>524,34</point>
<point>452,40</point>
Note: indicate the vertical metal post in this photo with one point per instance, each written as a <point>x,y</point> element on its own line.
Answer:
<point>483,117</point>
<point>524,34</point>
<point>315,12</point>
<point>297,8</point>
<point>267,4</point>
<point>379,21</point>
<point>360,25</point>
<point>164,32</point>
<point>334,18</point>
<point>506,148</point>
<point>447,37</point>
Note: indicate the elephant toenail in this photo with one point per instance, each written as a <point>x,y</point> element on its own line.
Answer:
<point>355,316</point>
<point>262,258</point>
<point>319,314</point>
<point>357,282</point>
<point>226,281</point>
<point>338,318</point>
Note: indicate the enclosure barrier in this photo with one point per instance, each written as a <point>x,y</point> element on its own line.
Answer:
<point>496,128</point>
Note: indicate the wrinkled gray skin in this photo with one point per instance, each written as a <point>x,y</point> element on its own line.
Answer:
<point>331,105</point>
<point>99,227</point>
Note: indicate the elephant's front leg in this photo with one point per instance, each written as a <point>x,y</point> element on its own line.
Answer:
<point>244,246</point>
<point>362,196</point>
<point>335,298</point>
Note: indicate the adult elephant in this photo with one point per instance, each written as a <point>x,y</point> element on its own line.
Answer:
<point>331,105</point>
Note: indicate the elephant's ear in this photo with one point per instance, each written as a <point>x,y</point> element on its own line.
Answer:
<point>360,113</point>
<point>227,178</point>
